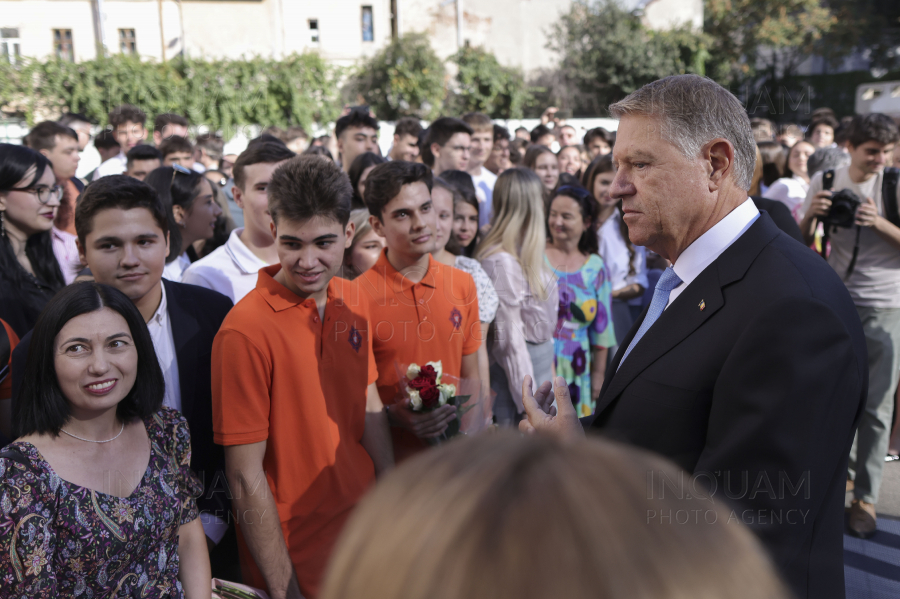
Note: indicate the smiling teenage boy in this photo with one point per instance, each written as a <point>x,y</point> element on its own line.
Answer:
<point>422,310</point>
<point>296,405</point>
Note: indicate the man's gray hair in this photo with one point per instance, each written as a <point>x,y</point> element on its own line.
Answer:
<point>692,111</point>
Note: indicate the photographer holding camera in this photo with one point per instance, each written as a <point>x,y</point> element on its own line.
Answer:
<point>858,204</point>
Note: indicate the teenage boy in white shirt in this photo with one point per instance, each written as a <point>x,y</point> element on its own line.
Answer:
<point>232,269</point>
<point>482,143</point>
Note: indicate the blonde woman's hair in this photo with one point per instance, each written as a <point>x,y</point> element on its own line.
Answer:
<point>505,516</point>
<point>517,226</point>
<point>360,220</point>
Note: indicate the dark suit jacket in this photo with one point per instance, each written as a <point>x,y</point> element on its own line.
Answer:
<point>196,314</point>
<point>759,390</point>
<point>780,215</point>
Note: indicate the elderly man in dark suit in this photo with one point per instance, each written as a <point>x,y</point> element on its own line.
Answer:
<point>749,367</point>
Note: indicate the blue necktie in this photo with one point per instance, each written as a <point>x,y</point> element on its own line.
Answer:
<point>667,282</point>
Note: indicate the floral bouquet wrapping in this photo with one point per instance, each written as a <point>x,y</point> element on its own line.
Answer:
<point>427,388</point>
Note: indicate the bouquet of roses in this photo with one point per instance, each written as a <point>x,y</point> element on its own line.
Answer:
<point>429,388</point>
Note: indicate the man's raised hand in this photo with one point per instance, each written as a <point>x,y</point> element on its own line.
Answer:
<point>542,417</point>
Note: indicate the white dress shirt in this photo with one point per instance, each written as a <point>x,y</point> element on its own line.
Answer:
<point>160,326</point>
<point>231,269</point>
<point>174,270</point>
<point>711,245</point>
<point>114,166</point>
<point>618,261</point>
<point>484,190</point>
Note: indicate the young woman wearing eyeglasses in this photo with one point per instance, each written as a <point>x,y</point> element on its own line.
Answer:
<point>29,272</point>
<point>584,330</point>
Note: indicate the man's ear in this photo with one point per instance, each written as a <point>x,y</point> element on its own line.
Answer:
<point>157,138</point>
<point>46,153</point>
<point>436,151</point>
<point>350,233</point>
<point>274,230</point>
<point>376,225</point>
<point>720,160</point>
<point>238,196</point>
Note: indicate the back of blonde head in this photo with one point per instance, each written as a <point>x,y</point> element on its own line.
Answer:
<point>504,516</point>
<point>517,225</point>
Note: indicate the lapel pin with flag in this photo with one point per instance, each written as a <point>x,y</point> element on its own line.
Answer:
<point>702,305</point>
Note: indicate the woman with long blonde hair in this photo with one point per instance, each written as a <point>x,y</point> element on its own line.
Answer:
<point>520,341</point>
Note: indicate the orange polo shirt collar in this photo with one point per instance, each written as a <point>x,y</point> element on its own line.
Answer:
<point>400,281</point>
<point>280,297</point>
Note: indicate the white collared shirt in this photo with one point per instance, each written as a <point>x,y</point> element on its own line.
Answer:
<point>231,269</point>
<point>484,190</point>
<point>160,326</point>
<point>174,270</point>
<point>618,261</point>
<point>114,166</point>
<point>711,245</point>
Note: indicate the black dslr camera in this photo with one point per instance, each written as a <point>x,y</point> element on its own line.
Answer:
<point>844,204</point>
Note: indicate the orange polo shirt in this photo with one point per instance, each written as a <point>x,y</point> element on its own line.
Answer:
<point>434,319</point>
<point>281,375</point>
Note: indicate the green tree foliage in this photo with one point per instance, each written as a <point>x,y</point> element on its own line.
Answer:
<point>768,37</point>
<point>222,94</point>
<point>606,52</point>
<point>484,85</point>
<point>405,78</point>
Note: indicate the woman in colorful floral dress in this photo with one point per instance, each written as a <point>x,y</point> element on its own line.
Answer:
<point>96,495</point>
<point>584,330</point>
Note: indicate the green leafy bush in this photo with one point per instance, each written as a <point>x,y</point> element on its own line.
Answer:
<point>484,85</point>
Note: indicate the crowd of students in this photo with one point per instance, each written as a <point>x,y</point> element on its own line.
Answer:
<point>282,292</point>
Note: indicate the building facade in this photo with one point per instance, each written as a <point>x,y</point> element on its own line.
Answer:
<point>343,31</point>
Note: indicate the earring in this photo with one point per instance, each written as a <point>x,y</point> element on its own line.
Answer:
<point>2,225</point>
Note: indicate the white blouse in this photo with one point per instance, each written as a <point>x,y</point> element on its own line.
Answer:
<point>614,251</point>
<point>790,192</point>
<point>488,302</point>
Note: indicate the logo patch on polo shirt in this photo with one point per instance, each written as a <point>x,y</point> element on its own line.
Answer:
<point>355,339</point>
<point>456,318</point>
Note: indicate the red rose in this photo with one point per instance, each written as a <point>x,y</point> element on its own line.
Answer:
<point>428,372</point>
<point>420,382</point>
<point>431,397</point>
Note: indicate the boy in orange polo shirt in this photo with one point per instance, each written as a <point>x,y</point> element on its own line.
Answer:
<point>294,396</point>
<point>421,309</point>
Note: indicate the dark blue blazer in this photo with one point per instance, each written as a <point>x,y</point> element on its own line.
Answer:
<point>755,377</point>
<point>196,314</point>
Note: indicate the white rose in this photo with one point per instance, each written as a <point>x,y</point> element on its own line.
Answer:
<point>415,400</point>
<point>438,368</point>
<point>413,371</point>
<point>447,391</point>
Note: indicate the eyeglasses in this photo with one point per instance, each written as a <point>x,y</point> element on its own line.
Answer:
<point>43,194</point>
<point>177,168</point>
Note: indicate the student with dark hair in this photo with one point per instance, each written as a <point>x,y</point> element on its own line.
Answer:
<point>406,139</point>
<point>168,125</point>
<point>188,196</point>
<point>439,304</point>
<point>127,125</point>
<point>584,332</point>
<point>481,147</point>
<point>90,422</point>
<point>29,272</point>
<point>356,133</point>
<point>446,145</point>
<point>232,268</point>
<point>141,161</point>
<point>545,165</point>
<point>542,135</point>
<point>80,124</point>
<point>466,232</point>
<point>447,199</point>
<point>318,151</point>
<point>207,152</point>
<point>177,150</point>
<point>626,263</point>
<point>358,173</point>
<point>523,134</point>
<point>296,405</point>
<point>498,161</point>
<point>866,255</point>
<point>820,132</point>
<point>107,146</point>
<point>599,142</point>
<point>60,145</point>
<point>773,163</point>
